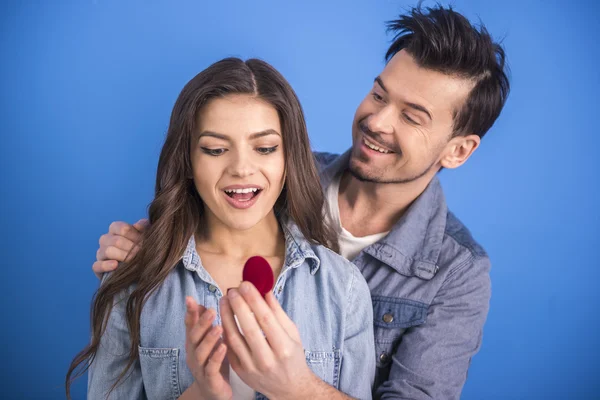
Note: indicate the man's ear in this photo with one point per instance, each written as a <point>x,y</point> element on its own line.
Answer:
<point>458,150</point>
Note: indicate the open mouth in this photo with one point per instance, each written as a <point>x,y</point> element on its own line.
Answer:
<point>243,194</point>
<point>242,198</point>
<point>373,146</point>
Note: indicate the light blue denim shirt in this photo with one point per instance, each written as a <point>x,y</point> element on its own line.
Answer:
<point>324,294</point>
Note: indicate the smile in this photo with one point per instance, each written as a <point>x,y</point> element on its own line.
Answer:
<point>247,190</point>
<point>375,147</point>
<point>242,197</point>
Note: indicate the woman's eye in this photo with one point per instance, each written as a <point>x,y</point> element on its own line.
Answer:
<point>213,152</point>
<point>266,150</point>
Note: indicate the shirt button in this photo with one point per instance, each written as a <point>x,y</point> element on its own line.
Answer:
<point>388,318</point>
<point>384,357</point>
<point>212,288</point>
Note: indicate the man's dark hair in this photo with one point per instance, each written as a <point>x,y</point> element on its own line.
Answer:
<point>443,40</point>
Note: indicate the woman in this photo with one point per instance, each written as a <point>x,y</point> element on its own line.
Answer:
<point>235,179</point>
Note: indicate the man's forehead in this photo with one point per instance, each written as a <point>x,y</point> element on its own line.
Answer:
<point>405,79</point>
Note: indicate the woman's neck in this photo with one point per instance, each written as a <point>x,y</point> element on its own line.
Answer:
<point>265,239</point>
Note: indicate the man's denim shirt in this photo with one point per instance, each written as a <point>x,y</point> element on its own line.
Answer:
<point>430,287</point>
<point>324,294</point>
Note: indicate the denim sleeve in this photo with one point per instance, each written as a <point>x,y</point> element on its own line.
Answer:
<point>357,371</point>
<point>111,359</point>
<point>432,359</point>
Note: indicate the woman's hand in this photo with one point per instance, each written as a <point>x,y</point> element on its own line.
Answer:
<point>205,352</point>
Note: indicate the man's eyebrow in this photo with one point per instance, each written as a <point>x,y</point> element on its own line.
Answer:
<point>380,82</point>
<point>419,107</point>
<point>416,106</point>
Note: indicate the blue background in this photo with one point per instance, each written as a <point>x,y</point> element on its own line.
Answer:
<point>87,89</point>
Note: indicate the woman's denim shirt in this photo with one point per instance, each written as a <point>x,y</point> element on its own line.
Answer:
<point>323,293</point>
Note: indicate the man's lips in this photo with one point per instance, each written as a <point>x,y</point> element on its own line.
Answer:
<point>369,140</point>
<point>375,146</point>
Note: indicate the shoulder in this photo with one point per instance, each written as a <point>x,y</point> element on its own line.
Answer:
<point>462,257</point>
<point>323,159</point>
<point>175,281</point>
<point>122,295</point>
<point>460,235</point>
<point>336,271</point>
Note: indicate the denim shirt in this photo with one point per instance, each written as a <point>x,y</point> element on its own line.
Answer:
<point>324,294</point>
<point>430,287</point>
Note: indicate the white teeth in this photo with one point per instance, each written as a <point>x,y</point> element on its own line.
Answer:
<point>374,147</point>
<point>247,190</point>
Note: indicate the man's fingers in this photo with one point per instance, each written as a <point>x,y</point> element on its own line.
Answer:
<point>141,225</point>
<point>120,228</point>
<point>111,253</point>
<point>118,244</point>
<point>112,240</point>
<point>100,267</point>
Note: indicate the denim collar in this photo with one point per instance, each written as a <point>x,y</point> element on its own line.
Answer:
<point>297,250</point>
<point>414,243</point>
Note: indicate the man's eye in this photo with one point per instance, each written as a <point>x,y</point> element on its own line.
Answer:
<point>377,97</point>
<point>409,119</point>
<point>213,152</point>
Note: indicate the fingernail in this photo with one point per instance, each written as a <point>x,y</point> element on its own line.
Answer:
<point>245,287</point>
<point>233,293</point>
<point>215,331</point>
<point>229,290</point>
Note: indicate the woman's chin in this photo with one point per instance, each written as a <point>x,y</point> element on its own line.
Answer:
<point>243,222</point>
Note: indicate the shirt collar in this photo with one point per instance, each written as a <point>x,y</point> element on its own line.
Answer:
<point>297,250</point>
<point>414,243</point>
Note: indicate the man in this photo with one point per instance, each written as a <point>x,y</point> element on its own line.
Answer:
<point>441,90</point>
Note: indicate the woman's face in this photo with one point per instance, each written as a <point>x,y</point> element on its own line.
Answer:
<point>237,160</point>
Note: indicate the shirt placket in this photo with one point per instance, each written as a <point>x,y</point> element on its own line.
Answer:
<point>210,291</point>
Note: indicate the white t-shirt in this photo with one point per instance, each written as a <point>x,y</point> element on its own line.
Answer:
<point>240,390</point>
<point>350,245</point>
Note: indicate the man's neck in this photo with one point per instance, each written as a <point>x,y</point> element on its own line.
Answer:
<point>367,208</point>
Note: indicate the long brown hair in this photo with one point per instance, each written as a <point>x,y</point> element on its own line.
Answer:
<point>175,213</point>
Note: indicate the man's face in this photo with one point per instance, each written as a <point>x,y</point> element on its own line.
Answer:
<point>402,130</point>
